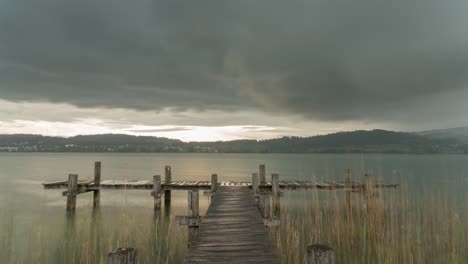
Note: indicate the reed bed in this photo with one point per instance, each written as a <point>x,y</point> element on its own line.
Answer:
<point>391,226</point>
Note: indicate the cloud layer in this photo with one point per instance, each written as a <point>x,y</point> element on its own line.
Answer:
<point>328,60</point>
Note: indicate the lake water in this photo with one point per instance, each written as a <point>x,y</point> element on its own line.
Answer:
<point>34,226</point>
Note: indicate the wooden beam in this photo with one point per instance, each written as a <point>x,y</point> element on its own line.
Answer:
<point>255,181</point>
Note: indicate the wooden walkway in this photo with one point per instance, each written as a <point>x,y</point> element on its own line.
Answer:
<point>232,231</point>
<point>206,185</point>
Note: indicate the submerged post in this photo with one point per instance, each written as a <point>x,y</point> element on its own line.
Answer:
<point>261,171</point>
<point>167,180</point>
<point>157,192</point>
<point>97,183</point>
<point>72,192</point>
<point>214,182</point>
<point>320,254</point>
<point>123,256</point>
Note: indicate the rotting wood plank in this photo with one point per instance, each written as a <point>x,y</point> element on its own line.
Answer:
<point>232,231</point>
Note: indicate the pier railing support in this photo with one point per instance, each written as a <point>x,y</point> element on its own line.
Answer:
<point>123,256</point>
<point>262,175</point>
<point>157,192</point>
<point>320,254</point>
<point>97,184</point>
<point>167,180</point>
<point>72,192</point>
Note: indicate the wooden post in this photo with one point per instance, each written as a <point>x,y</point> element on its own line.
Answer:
<point>193,204</point>
<point>157,192</point>
<point>72,192</point>
<point>97,183</point>
<point>214,182</point>
<point>167,180</point>
<point>320,254</point>
<point>123,256</point>
<point>255,187</point>
<point>275,196</point>
<point>275,185</point>
<point>348,188</point>
<point>265,205</point>
<point>261,171</point>
<point>193,215</point>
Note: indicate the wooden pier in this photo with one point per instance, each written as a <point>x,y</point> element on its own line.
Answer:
<point>232,231</point>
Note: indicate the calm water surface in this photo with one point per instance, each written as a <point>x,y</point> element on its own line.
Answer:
<point>34,226</point>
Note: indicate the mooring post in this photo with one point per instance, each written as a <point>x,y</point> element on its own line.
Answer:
<point>320,254</point>
<point>275,195</point>
<point>97,183</point>
<point>157,192</point>
<point>261,171</point>
<point>167,180</point>
<point>123,256</point>
<point>255,186</point>
<point>72,192</point>
<point>214,182</point>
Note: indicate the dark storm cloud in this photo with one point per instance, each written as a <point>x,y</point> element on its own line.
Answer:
<point>322,59</point>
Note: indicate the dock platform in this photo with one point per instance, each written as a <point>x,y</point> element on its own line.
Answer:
<point>232,231</point>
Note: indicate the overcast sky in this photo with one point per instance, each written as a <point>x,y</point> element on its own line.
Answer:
<point>218,70</point>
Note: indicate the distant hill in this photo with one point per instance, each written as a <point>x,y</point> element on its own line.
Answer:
<point>374,141</point>
<point>459,133</point>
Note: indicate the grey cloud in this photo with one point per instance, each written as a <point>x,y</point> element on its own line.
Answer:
<point>322,59</point>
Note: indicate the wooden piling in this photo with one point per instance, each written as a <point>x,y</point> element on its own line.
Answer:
<point>275,196</point>
<point>123,256</point>
<point>97,183</point>
<point>255,181</point>
<point>72,192</point>
<point>275,185</point>
<point>214,182</point>
<point>265,205</point>
<point>348,189</point>
<point>261,171</point>
<point>167,180</point>
<point>157,192</point>
<point>320,254</point>
<point>193,204</point>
